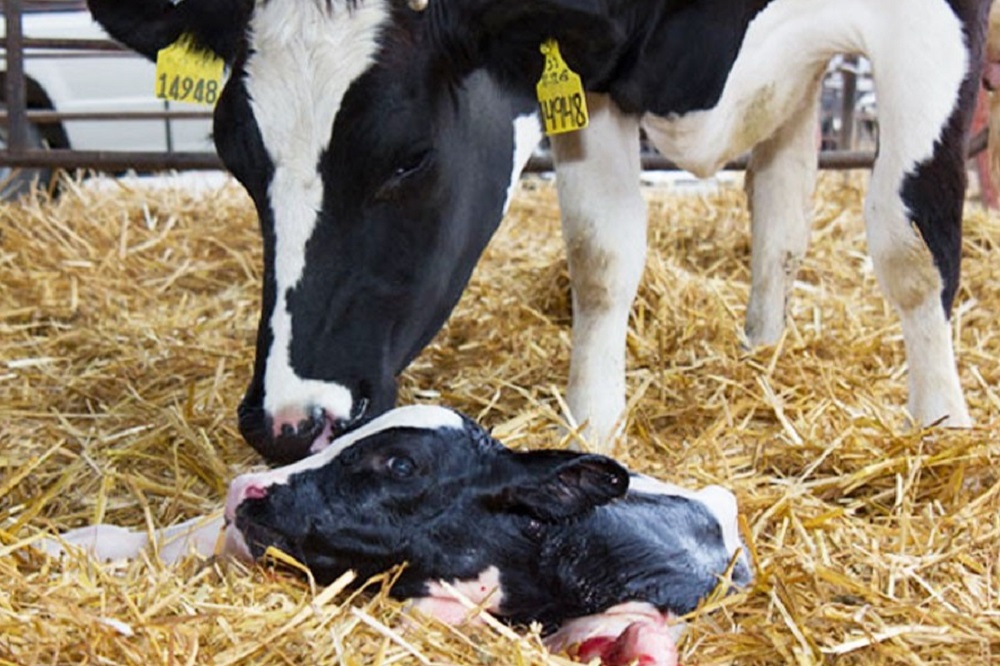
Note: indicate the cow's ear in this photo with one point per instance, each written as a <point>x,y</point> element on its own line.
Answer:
<point>146,26</point>
<point>556,485</point>
<point>506,37</point>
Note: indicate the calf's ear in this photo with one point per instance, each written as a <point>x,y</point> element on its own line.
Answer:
<point>556,485</point>
<point>146,26</point>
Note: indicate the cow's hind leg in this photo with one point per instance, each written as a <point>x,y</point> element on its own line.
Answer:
<point>604,227</point>
<point>779,184</point>
<point>913,211</point>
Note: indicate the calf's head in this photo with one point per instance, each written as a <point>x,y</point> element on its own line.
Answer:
<point>379,140</point>
<point>421,485</point>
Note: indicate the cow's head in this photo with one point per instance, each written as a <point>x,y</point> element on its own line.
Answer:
<point>379,140</point>
<point>419,484</point>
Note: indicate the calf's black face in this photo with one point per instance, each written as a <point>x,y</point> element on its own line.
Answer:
<point>420,485</point>
<point>378,150</point>
<point>558,533</point>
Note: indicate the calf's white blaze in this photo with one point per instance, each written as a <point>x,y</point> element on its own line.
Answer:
<point>421,417</point>
<point>304,56</point>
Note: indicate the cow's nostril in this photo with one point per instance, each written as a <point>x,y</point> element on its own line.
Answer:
<point>293,432</point>
<point>292,422</point>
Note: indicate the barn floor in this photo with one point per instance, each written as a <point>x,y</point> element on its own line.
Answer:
<point>127,319</point>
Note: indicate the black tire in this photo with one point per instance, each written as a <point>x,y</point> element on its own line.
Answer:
<point>15,182</point>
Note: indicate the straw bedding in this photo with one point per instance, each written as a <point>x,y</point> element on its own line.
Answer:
<point>127,319</point>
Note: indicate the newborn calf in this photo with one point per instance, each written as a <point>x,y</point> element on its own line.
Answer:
<point>599,556</point>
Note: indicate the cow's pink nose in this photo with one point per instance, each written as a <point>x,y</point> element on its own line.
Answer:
<point>243,488</point>
<point>297,422</point>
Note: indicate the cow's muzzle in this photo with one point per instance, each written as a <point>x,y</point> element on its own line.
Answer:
<point>293,434</point>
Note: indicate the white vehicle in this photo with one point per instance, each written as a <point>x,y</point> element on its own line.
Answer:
<point>74,82</point>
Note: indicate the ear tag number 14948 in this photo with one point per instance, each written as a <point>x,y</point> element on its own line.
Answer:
<point>187,74</point>
<point>560,93</point>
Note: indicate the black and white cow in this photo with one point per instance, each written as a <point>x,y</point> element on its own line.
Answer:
<point>380,139</point>
<point>601,557</point>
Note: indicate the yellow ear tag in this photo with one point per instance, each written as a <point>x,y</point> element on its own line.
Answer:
<point>560,93</point>
<point>186,74</point>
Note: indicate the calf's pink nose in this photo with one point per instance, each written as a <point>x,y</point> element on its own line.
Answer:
<point>242,488</point>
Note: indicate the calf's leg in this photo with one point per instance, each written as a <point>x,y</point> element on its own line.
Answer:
<point>110,543</point>
<point>634,632</point>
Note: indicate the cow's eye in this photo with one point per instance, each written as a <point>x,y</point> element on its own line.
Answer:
<point>412,165</point>
<point>401,467</point>
<point>404,173</point>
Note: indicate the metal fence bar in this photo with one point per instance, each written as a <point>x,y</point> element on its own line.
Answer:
<point>113,160</point>
<point>50,117</point>
<point>75,44</point>
<point>849,95</point>
<point>16,93</point>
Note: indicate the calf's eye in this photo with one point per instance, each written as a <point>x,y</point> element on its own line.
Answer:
<point>401,467</point>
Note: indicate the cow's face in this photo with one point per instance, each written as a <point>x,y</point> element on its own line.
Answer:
<point>385,184</point>
<point>421,485</point>
<point>379,144</point>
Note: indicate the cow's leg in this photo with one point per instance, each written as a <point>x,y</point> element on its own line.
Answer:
<point>913,211</point>
<point>779,184</point>
<point>604,227</point>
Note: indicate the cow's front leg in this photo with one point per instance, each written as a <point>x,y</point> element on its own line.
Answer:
<point>604,227</point>
<point>779,184</point>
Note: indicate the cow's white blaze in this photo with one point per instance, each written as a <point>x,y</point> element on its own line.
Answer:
<point>304,54</point>
<point>423,417</point>
<point>919,60</point>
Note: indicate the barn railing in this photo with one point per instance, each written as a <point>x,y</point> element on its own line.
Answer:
<point>18,119</point>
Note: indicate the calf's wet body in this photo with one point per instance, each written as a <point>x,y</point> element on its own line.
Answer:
<point>602,557</point>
